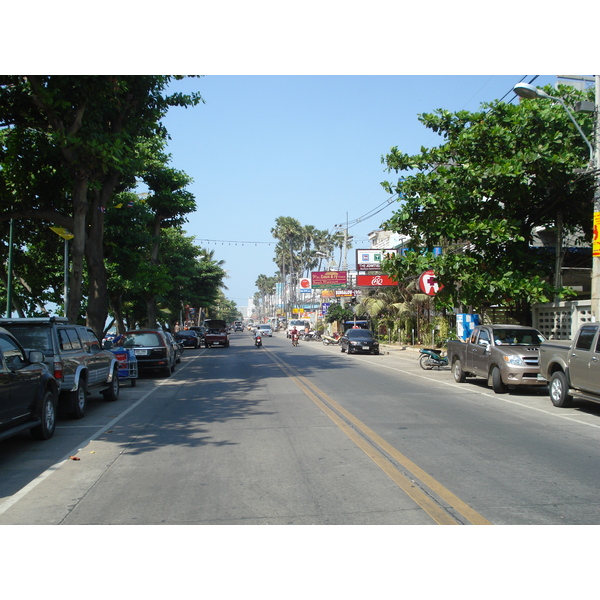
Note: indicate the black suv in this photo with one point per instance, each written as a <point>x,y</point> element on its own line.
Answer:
<point>28,392</point>
<point>73,355</point>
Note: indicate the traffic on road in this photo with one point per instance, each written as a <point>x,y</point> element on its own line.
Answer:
<point>308,434</point>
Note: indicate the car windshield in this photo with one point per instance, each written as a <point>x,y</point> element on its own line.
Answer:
<point>186,333</point>
<point>143,338</point>
<point>359,333</point>
<point>518,337</point>
<point>265,327</point>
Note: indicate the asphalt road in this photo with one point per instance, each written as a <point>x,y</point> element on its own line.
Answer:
<point>308,435</point>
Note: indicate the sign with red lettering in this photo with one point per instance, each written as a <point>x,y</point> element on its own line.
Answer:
<point>329,279</point>
<point>374,280</point>
<point>428,283</point>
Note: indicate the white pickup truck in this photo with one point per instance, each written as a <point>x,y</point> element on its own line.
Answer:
<point>573,367</point>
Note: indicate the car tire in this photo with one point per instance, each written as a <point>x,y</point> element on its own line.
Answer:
<point>498,385</point>
<point>342,349</point>
<point>78,400</point>
<point>559,390</point>
<point>45,430</point>
<point>112,393</point>
<point>459,374</point>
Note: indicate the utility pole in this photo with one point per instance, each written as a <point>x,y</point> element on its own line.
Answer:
<point>596,234</point>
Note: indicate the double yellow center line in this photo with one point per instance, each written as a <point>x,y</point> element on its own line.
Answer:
<point>386,457</point>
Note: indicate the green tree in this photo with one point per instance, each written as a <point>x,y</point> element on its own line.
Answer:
<point>88,130</point>
<point>499,174</point>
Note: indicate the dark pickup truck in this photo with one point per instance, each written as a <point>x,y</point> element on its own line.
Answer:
<point>573,366</point>
<point>506,355</point>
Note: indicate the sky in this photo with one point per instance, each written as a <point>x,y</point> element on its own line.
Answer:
<point>307,147</point>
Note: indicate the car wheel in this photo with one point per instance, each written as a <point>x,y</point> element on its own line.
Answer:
<point>45,430</point>
<point>497,384</point>
<point>459,374</point>
<point>78,400</point>
<point>112,393</point>
<point>559,389</point>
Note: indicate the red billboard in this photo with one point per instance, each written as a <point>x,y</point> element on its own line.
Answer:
<point>329,279</point>
<point>374,280</point>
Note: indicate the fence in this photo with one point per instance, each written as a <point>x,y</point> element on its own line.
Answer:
<point>561,320</point>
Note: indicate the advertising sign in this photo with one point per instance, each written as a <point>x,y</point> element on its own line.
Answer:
<point>596,237</point>
<point>329,279</point>
<point>370,260</point>
<point>374,280</point>
<point>428,283</point>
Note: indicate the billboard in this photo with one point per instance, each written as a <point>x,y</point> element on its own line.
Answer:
<point>329,279</point>
<point>374,280</point>
<point>370,260</point>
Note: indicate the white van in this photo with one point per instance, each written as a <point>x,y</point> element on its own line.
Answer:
<point>299,324</point>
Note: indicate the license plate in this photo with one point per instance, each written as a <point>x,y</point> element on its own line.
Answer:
<point>141,351</point>
<point>366,348</point>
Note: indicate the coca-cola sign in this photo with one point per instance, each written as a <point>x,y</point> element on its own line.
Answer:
<point>374,280</point>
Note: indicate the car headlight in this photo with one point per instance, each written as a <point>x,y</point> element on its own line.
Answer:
<point>511,359</point>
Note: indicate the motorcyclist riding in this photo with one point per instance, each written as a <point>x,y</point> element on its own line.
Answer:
<point>294,335</point>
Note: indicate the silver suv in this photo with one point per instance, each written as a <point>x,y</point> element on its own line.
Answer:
<point>74,356</point>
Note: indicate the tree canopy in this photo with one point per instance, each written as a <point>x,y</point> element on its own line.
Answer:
<point>498,176</point>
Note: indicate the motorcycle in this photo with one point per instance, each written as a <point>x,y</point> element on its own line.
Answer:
<point>258,341</point>
<point>330,341</point>
<point>295,339</point>
<point>432,358</point>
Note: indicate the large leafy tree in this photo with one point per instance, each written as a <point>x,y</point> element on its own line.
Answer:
<point>498,175</point>
<point>81,137</point>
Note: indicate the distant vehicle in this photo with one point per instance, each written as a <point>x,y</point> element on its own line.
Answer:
<point>200,331</point>
<point>28,392</point>
<point>153,350</point>
<point>265,330</point>
<point>74,356</point>
<point>506,355</point>
<point>188,338</point>
<point>359,340</point>
<point>573,367</point>
<point>216,333</point>
<point>238,326</point>
<point>299,324</point>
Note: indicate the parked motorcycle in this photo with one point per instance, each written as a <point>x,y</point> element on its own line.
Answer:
<point>432,358</point>
<point>258,341</point>
<point>330,341</point>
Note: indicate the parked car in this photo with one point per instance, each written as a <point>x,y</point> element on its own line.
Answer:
<point>152,349</point>
<point>200,331</point>
<point>359,340</point>
<point>177,346</point>
<point>28,391</point>
<point>507,356</point>
<point>265,330</point>
<point>74,356</point>
<point>189,338</point>
<point>573,367</point>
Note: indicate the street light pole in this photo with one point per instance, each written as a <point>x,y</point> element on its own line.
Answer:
<point>526,90</point>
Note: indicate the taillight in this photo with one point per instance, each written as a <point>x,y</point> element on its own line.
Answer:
<point>58,370</point>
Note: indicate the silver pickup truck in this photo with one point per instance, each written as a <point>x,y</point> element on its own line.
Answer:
<point>506,355</point>
<point>573,367</point>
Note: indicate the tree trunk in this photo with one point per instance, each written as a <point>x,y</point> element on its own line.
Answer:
<point>80,205</point>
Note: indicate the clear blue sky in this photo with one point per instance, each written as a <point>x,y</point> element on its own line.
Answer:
<point>307,147</point>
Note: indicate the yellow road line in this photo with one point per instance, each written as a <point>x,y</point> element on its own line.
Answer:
<point>438,514</point>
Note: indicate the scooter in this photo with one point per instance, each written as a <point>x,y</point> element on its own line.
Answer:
<point>432,358</point>
<point>330,341</point>
<point>258,341</point>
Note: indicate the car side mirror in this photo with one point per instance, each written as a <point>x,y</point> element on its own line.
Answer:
<point>35,356</point>
<point>107,345</point>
